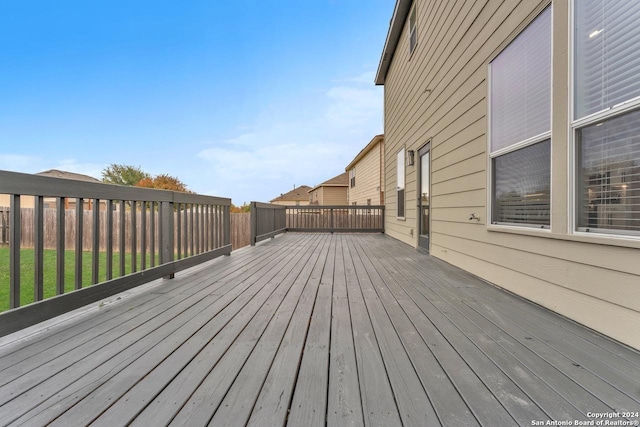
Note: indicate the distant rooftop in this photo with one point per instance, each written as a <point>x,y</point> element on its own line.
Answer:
<point>341,180</point>
<point>299,193</point>
<point>55,173</point>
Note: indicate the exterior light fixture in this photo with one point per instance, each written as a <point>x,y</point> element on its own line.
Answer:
<point>411,157</point>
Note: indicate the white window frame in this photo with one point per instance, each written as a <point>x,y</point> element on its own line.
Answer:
<point>575,126</point>
<point>517,146</point>
<point>413,31</point>
<point>400,162</point>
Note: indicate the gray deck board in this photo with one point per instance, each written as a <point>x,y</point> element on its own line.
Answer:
<point>317,329</point>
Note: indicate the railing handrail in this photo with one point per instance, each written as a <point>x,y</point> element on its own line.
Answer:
<point>47,186</point>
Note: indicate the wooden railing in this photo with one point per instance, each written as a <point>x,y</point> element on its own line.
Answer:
<point>135,235</point>
<point>365,218</point>
<point>269,220</point>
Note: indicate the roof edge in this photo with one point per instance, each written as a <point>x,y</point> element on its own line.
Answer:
<point>398,19</point>
<point>375,140</point>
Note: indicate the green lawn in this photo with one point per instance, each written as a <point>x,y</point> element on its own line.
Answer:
<point>27,272</point>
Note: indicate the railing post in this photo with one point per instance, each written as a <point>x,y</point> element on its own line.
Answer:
<point>15,227</point>
<point>227,225</point>
<point>254,223</point>
<point>166,234</point>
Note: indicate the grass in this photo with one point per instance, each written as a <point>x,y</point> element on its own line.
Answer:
<point>50,260</point>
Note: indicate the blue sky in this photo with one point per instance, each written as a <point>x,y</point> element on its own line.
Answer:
<point>239,99</point>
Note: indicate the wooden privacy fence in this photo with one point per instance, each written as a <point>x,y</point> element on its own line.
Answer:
<point>161,232</point>
<point>240,228</point>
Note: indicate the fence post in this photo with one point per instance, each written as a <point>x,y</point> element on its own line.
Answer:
<point>254,223</point>
<point>166,236</point>
<point>15,228</point>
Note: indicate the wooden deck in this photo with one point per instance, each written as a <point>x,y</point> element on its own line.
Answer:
<point>308,329</point>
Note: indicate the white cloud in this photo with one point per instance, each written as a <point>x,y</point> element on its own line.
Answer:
<point>273,154</point>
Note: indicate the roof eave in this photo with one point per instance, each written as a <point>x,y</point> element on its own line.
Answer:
<point>400,13</point>
<point>375,141</point>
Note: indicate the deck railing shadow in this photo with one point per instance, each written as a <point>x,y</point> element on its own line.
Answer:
<point>131,235</point>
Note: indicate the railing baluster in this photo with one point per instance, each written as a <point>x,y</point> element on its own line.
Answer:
<point>152,234</point>
<point>95,262</point>
<point>179,230</point>
<point>121,237</point>
<point>143,235</point>
<point>109,240</point>
<point>227,225</point>
<point>197,228</point>
<point>15,227</point>
<point>38,248</point>
<point>134,236</point>
<point>191,239</point>
<point>60,247</point>
<point>185,231</point>
<point>78,248</point>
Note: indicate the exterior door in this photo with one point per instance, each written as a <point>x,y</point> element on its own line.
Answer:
<point>423,196</point>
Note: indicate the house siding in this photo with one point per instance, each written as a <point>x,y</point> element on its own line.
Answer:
<point>368,178</point>
<point>334,196</point>
<point>439,94</point>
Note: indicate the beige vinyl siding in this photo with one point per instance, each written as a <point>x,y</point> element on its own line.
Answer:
<point>334,196</point>
<point>291,203</point>
<point>368,179</point>
<point>25,201</point>
<point>440,94</point>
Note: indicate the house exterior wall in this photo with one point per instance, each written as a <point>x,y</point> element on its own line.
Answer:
<point>291,202</point>
<point>369,172</point>
<point>334,196</point>
<point>439,94</point>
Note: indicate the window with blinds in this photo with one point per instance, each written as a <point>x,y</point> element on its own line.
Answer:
<point>609,175</point>
<point>520,128</point>
<point>522,186</point>
<point>606,92</point>
<point>607,54</point>
<point>400,182</point>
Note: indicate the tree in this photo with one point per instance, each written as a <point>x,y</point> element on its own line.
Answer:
<point>240,209</point>
<point>123,174</point>
<point>163,182</point>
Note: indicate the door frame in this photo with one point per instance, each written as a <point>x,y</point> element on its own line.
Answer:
<point>425,148</point>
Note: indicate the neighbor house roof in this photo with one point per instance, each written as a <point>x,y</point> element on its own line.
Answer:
<point>341,180</point>
<point>300,193</point>
<point>398,19</point>
<point>375,141</point>
<point>55,173</point>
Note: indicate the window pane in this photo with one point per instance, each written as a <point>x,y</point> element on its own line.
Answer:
<point>609,174</point>
<point>521,86</point>
<point>522,182</point>
<point>607,58</point>
<point>400,181</point>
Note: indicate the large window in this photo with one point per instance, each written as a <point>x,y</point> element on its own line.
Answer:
<point>606,115</point>
<point>520,128</point>
<point>400,182</point>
